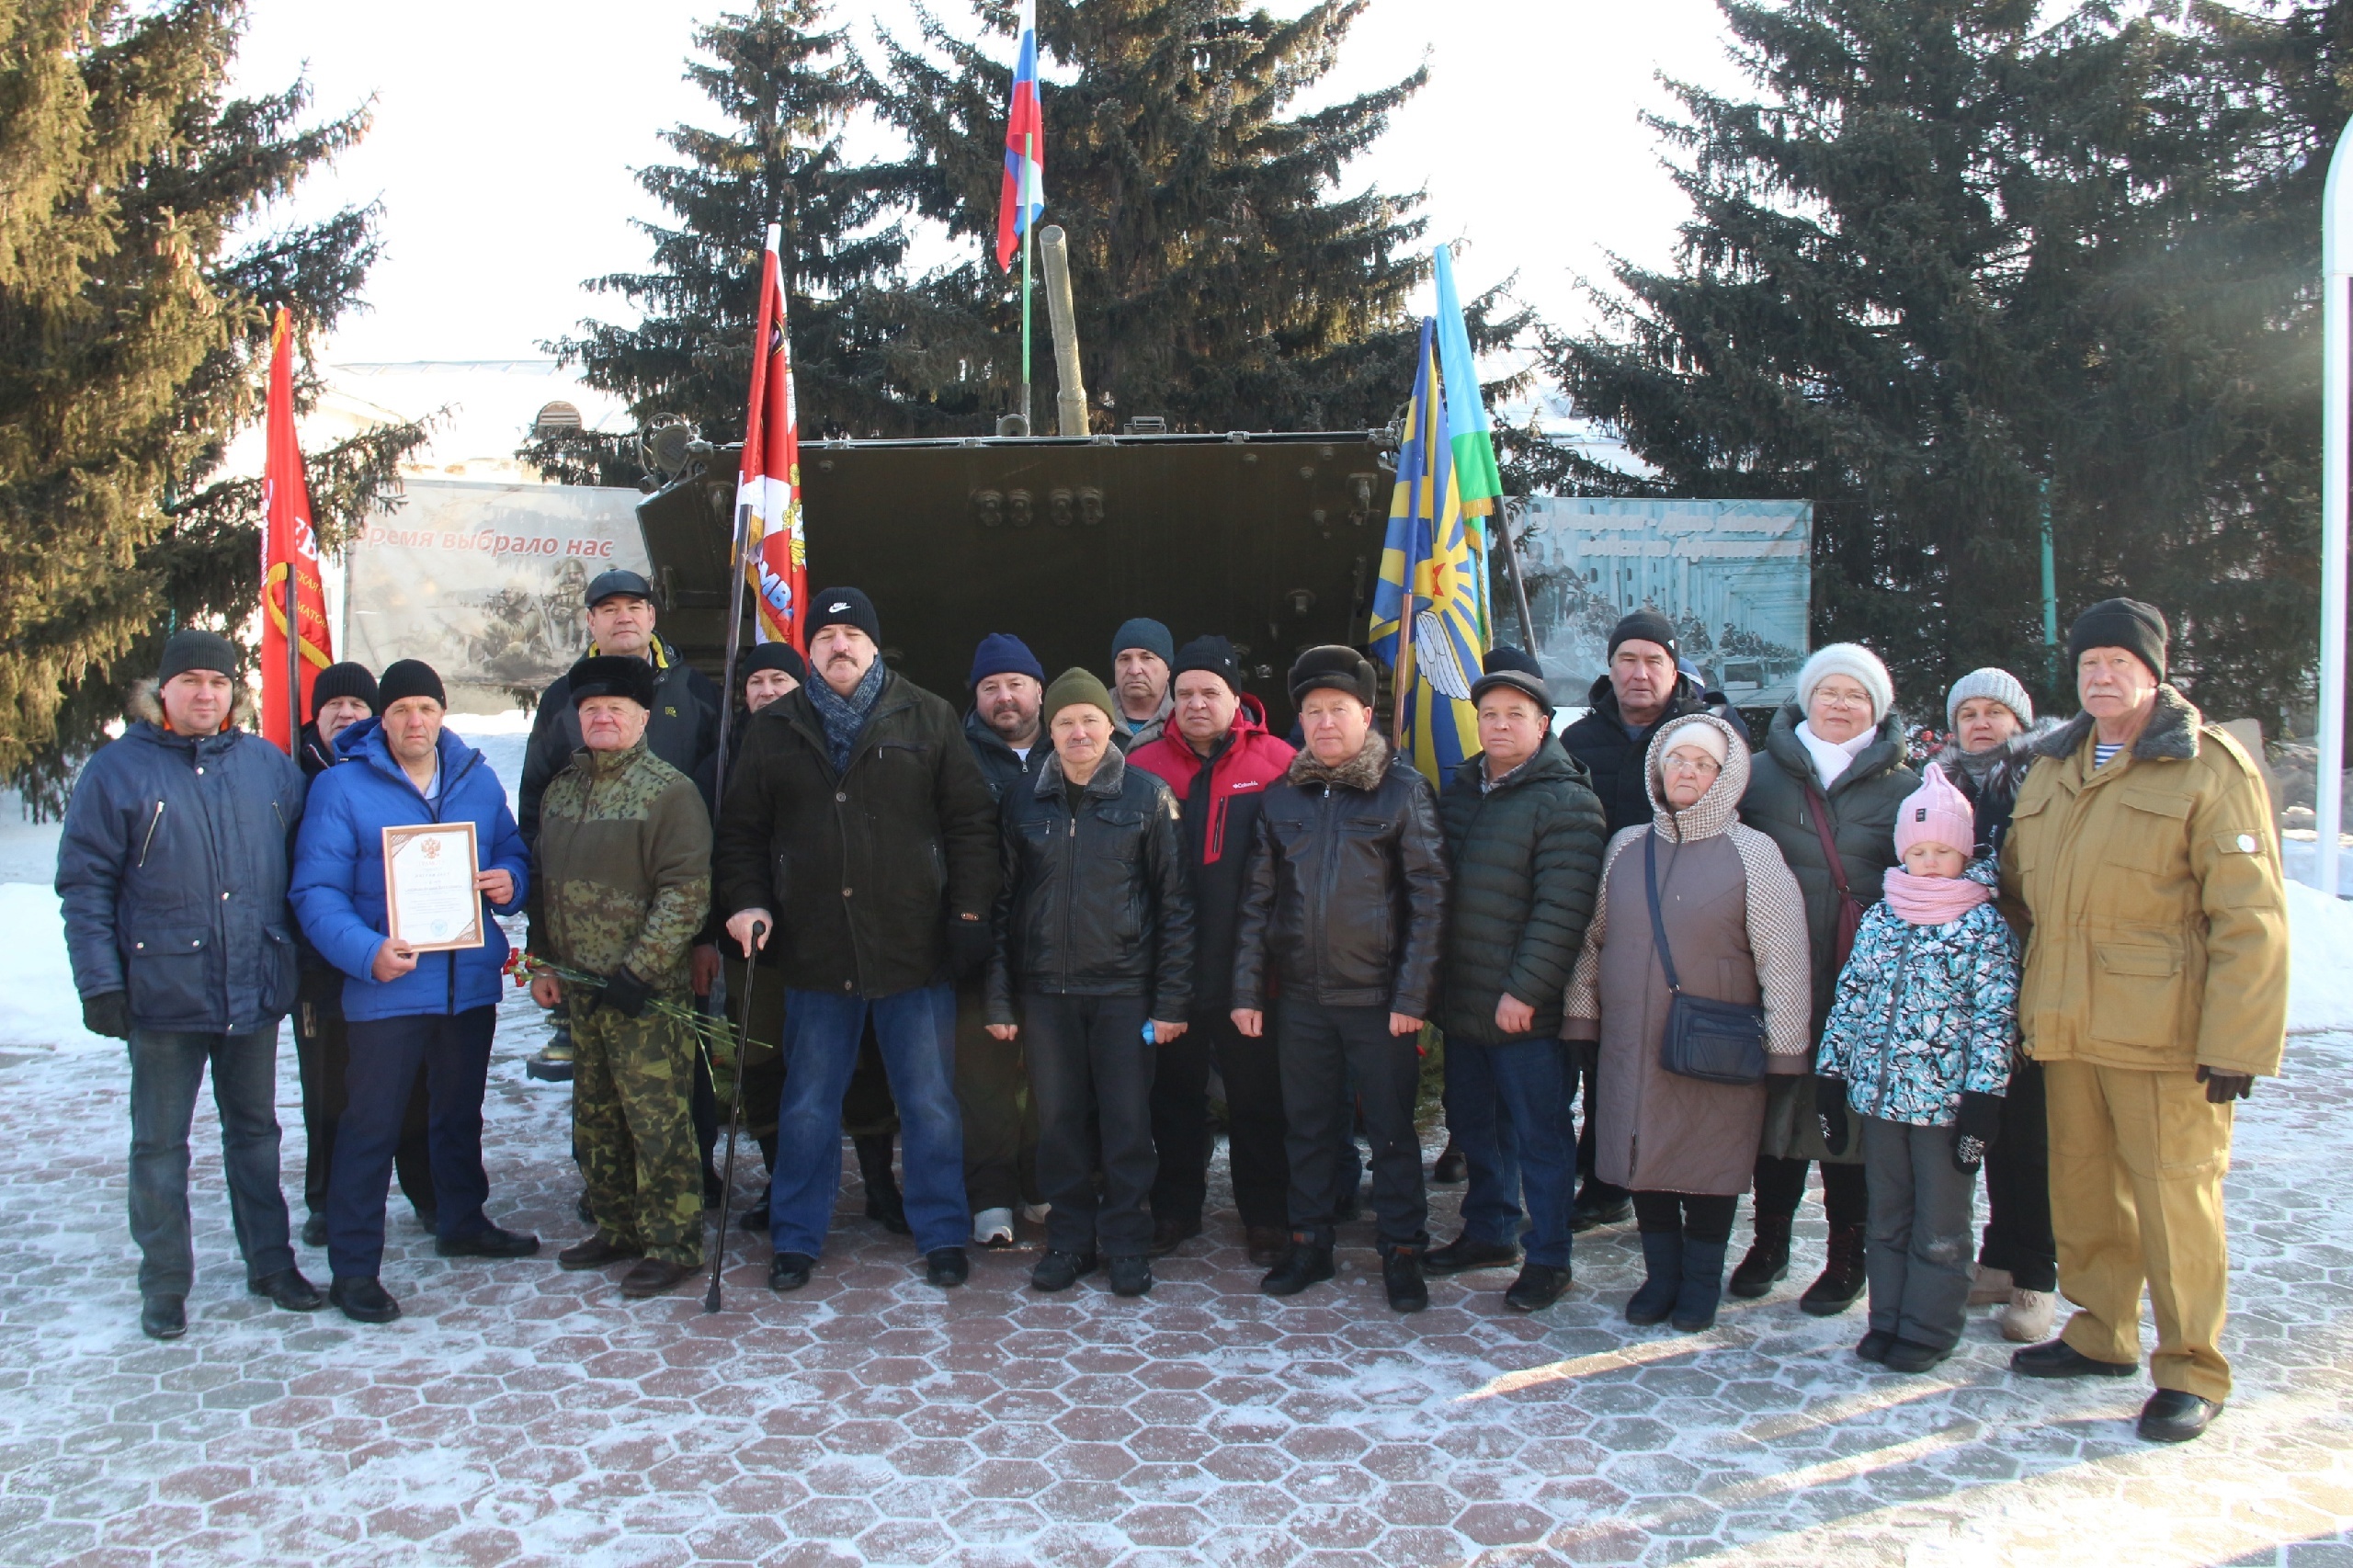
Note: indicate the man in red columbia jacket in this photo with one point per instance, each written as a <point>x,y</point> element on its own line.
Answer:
<point>1218,758</point>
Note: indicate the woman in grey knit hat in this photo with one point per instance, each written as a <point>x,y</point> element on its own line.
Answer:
<point>1991,720</point>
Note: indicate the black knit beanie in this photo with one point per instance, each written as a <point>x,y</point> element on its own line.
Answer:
<point>346,679</point>
<point>191,649</point>
<point>842,607</point>
<point>1211,655</point>
<point>409,677</point>
<point>1643,626</point>
<point>2128,624</point>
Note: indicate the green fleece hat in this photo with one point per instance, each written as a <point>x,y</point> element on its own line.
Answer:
<point>1076,686</point>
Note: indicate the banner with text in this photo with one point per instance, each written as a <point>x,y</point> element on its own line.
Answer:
<point>1735,577</point>
<point>483,582</point>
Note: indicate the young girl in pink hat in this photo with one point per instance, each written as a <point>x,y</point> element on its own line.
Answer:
<point>1917,1047</point>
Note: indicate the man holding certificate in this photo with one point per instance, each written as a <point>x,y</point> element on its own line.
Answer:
<point>623,885</point>
<point>405,853</point>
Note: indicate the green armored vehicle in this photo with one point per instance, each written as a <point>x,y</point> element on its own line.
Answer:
<point>1273,540</point>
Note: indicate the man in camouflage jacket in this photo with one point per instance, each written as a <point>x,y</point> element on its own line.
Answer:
<point>623,885</point>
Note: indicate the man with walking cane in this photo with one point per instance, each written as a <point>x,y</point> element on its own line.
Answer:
<point>710,1298</point>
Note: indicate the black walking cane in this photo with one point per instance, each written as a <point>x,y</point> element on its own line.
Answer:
<point>735,1120</point>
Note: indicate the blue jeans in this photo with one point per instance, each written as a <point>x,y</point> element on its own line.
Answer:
<point>166,1069</point>
<point>1507,1107</point>
<point>453,1051</point>
<point>917,1030</point>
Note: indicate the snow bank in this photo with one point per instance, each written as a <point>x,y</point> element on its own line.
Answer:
<point>40,1007</point>
<point>2320,961</point>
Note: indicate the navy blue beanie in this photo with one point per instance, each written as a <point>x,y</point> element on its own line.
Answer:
<point>1147,634</point>
<point>1002,653</point>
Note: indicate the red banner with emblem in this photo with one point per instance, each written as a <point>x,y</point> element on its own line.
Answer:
<point>290,552</point>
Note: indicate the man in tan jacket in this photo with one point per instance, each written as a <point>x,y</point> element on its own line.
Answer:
<point>2141,870</point>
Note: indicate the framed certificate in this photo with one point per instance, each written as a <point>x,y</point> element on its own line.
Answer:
<point>429,893</point>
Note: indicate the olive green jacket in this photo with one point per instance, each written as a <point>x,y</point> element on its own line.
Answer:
<point>621,876</point>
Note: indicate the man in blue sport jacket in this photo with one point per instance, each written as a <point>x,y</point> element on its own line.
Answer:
<point>406,1009</point>
<point>172,870</point>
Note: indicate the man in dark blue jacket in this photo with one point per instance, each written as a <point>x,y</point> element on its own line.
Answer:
<point>173,874</point>
<point>407,1009</point>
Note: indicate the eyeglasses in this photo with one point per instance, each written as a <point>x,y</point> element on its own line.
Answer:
<point>1702,765</point>
<point>1842,699</point>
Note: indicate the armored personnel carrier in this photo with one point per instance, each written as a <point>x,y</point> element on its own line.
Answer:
<point>1273,540</point>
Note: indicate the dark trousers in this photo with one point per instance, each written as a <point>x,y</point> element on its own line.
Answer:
<point>1092,1069</point>
<point>1507,1107</point>
<point>2018,1186</point>
<point>1781,1187</point>
<point>916,1032</point>
<point>1701,1217</point>
<point>1180,1127</point>
<point>999,1107</point>
<point>166,1069</point>
<point>1255,1126</point>
<point>1595,1191</point>
<point>322,1058</point>
<point>453,1051</point>
<point>1918,1262</point>
<point>1322,1050</point>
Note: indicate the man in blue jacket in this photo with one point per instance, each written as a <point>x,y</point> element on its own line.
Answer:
<point>171,869</point>
<point>406,1009</point>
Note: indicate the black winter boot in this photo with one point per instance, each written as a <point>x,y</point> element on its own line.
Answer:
<point>1662,1257</point>
<point>1768,1259</point>
<point>1306,1264</point>
<point>1842,1274</point>
<point>884,1204</point>
<point>1703,1286</point>
<point>1401,1276</point>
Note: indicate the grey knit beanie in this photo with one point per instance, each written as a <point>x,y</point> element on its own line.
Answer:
<point>1998,684</point>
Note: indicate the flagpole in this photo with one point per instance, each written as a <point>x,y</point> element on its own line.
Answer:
<point>293,661</point>
<point>1023,214</point>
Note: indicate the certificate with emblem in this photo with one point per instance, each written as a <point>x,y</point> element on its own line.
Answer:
<point>429,891</point>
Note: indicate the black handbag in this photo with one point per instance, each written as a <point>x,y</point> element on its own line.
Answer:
<point>1716,1042</point>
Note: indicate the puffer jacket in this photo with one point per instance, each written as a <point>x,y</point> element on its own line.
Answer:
<point>1862,802</point>
<point>1221,795</point>
<point>1004,768</point>
<point>1616,760</point>
<point>622,868</point>
<point>173,869</point>
<point>1096,905</point>
<point>683,730</point>
<point>339,872</point>
<point>1346,901</point>
<point>862,868</point>
<point>1527,862</point>
<point>1925,1013</point>
<point>2148,893</point>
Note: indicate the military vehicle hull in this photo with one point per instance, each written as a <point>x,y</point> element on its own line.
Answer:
<point>1273,540</point>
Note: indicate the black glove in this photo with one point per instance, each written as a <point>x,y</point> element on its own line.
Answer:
<point>1830,1111</point>
<point>108,1013</point>
<point>625,995</point>
<point>1976,1129</point>
<point>970,945</point>
<point>2222,1087</point>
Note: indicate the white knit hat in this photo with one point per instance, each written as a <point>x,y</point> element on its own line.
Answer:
<point>1998,684</point>
<point>1699,732</point>
<point>1857,662</point>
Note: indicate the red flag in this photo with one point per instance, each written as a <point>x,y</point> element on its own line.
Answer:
<point>289,546</point>
<point>767,488</point>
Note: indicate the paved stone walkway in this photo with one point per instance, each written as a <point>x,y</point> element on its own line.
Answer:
<point>519,1415</point>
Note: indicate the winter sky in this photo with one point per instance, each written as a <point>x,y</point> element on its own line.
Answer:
<point>506,132</point>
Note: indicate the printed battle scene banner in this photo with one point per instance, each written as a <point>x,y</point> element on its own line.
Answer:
<point>484,581</point>
<point>1734,576</point>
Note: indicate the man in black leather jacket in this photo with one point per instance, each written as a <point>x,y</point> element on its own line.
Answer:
<point>1342,921</point>
<point>1094,964</point>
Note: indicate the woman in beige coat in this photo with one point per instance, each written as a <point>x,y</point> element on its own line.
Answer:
<point>1736,924</point>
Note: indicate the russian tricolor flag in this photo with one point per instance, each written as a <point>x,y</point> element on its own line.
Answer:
<point>1022,121</point>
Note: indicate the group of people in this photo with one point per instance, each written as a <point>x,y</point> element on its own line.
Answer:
<point>1016,944</point>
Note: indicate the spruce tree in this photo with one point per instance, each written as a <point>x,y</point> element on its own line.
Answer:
<point>1946,264</point>
<point>133,334</point>
<point>1220,279</point>
<point>785,87</point>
